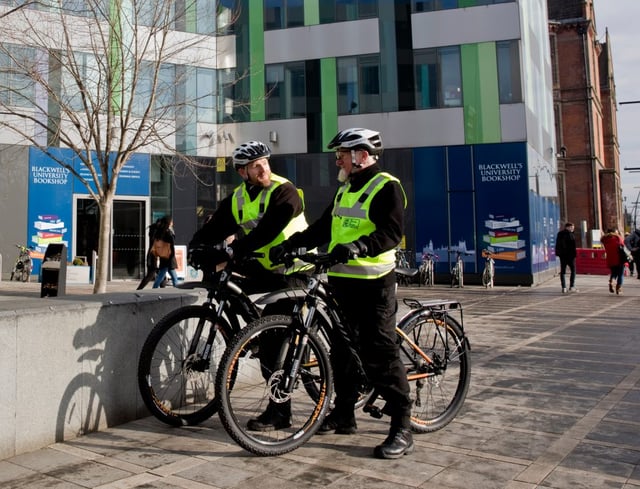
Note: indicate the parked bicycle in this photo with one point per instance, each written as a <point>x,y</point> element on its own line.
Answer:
<point>433,347</point>
<point>179,359</point>
<point>23,265</point>
<point>427,269</point>
<point>489,269</point>
<point>404,272</point>
<point>457,271</point>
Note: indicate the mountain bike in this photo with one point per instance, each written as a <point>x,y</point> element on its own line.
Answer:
<point>489,269</point>
<point>179,359</point>
<point>433,346</point>
<point>427,268</point>
<point>23,266</point>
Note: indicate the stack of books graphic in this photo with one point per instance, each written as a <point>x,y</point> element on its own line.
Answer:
<point>49,229</point>
<point>503,238</point>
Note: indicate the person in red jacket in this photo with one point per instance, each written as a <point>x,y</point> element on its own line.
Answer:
<point>612,242</point>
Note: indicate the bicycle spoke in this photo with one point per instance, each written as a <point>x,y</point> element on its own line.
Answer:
<point>438,397</point>
<point>253,384</point>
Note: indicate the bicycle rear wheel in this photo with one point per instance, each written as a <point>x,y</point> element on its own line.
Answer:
<point>429,274</point>
<point>244,393</point>
<point>177,387</point>
<point>487,277</point>
<point>438,385</point>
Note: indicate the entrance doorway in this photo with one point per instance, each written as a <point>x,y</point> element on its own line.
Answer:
<point>128,240</point>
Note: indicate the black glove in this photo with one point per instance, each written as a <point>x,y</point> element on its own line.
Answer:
<point>195,255</point>
<point>218,255</point>
<point>278,252</point>
<point>342,253</point>
<point>206,257</point>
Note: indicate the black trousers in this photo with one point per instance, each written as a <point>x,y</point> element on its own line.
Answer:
<point>370,307</point>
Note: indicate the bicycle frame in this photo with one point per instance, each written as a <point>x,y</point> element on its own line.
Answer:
<point>318,299</point>
<point>223,296</point>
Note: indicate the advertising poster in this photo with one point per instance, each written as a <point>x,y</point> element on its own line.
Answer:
<point>132,180</point>
<point>502,209</point>
<point>49,207</point>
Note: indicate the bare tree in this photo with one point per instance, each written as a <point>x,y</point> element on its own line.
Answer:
<point>99,77</point>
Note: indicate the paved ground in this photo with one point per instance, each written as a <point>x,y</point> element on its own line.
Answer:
<point>554,402</point>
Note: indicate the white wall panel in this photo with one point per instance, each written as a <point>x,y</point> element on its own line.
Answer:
<point>435,127</point>
<point>322,41</point>
<point>512,123</point>
<point>466,25</point>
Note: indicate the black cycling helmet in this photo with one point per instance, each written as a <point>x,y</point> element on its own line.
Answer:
<point>358,138</point>
<point>248,152</point>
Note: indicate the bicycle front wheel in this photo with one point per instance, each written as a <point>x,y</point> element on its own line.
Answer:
<point>176,383</point>
<point>253,376</point>
<point>439,370</point>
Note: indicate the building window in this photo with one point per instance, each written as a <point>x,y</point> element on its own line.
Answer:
<point>214,95</point>
<point>431,5</point>
<point>509,85</point>
<point>16,87</point>
<point>285,91</point>
<point>206,94</point>
<point>359,85</point>
<point>279,14</point>
<point>438,77</point>
<point>227,102</point>
<point>87,69</point>
<point>215,16</point>
<point>342,10</point>
<point>165,99</point>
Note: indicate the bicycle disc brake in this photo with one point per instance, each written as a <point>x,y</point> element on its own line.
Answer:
<point>276,394</point>
<point>194,363</point>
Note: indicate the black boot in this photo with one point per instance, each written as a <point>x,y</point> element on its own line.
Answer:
<point>275,417</point>
<point>338,424</point>
<point>398,443</point>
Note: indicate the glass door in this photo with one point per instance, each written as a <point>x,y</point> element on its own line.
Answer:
<point>128,240</point>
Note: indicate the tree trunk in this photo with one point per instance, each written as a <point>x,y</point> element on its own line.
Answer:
<point>104,246</point>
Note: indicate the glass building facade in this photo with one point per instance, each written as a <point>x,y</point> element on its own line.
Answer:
<point>459,89</point>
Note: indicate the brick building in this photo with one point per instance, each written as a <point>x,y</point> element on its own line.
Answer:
<point>584,97</point>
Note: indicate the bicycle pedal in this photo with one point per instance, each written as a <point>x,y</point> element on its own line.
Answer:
<point>374,411</point>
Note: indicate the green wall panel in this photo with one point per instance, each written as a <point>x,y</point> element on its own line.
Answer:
<point>256,68</point>
<point>329,94</point>
<point>312,12</point>
<point>480,89</point>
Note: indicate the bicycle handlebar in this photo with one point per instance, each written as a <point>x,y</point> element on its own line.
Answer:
<point>322,261</point>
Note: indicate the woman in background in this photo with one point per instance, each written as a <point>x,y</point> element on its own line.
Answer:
<point>165,233</point>
<point>612,242</point>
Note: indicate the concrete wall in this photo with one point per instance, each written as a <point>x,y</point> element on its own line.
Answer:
<point>69,364</point>
<point>14,178</point>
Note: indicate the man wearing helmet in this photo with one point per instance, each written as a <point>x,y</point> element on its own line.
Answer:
<point>260,213</point>
<point>363,226</point>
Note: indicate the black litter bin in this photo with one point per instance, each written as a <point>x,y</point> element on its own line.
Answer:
<point>54,271</point>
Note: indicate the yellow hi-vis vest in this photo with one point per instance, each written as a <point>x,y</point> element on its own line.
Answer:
<point>351,221</point>
<point>248,214</point>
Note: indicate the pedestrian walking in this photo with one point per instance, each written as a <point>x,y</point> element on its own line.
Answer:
<point>616,258</point>
<point>567,252</point>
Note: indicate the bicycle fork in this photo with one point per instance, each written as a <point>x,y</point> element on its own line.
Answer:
<point>296,347</point>
<point>198,361</point>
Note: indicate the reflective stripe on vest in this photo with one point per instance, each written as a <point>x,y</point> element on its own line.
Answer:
<point>248,214</point>
<point>351,221</point>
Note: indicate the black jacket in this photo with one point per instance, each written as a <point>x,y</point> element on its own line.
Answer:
<point>566,245</point>
<point>284,205</point>
<point>386,212</point>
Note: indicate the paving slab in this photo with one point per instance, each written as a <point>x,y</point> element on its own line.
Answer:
<point>554,402</point>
